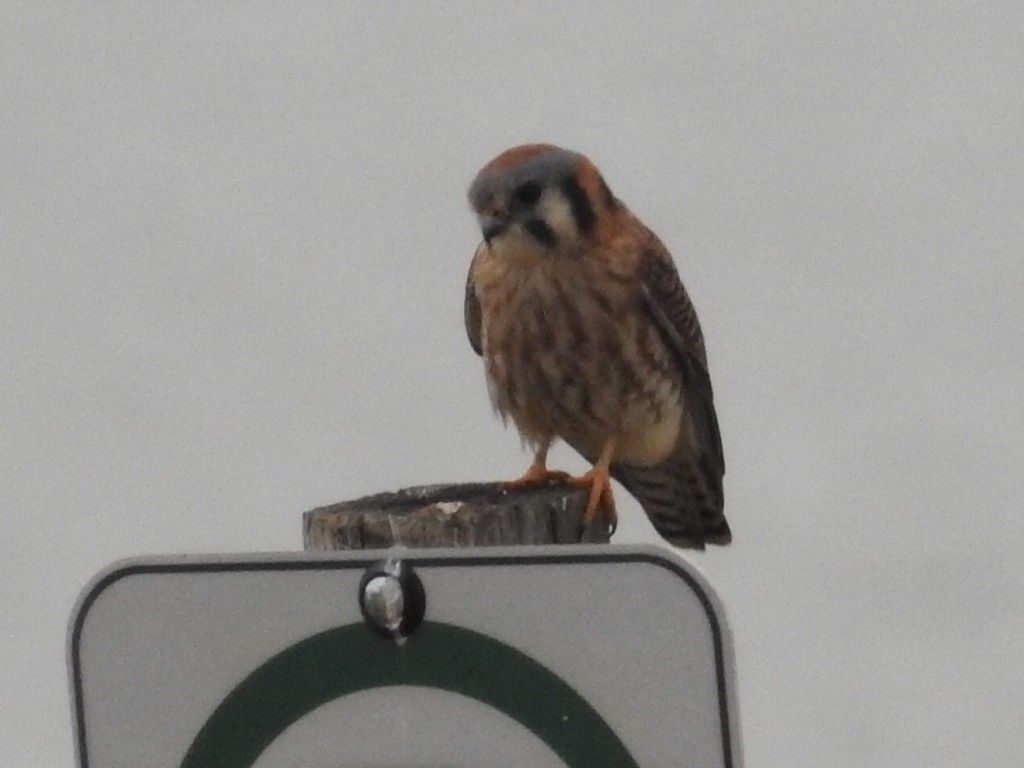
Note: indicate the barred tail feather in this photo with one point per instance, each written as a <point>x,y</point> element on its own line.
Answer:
<point>682,498</point>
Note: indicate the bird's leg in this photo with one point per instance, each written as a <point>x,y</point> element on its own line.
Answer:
<point>599,482</point>
<point>538,472</point>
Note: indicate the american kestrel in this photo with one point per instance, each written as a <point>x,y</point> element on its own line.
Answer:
<point>588,335</point>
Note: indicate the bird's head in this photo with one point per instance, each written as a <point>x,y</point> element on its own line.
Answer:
<point>539,197</point>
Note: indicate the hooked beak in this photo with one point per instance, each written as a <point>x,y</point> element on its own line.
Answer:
<point>491,227</point>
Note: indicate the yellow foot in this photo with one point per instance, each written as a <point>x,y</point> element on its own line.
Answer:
<point>600,498</point>
<point>536,475</point>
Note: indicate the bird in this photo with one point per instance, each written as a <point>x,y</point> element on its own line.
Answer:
<point>588,335</point>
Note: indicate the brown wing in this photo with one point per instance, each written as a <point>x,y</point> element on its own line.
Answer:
<point>682,495</point>
<point>673,312</point>
<point>471,314</point>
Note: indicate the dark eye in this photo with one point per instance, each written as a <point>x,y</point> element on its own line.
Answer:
<point>527,194</point>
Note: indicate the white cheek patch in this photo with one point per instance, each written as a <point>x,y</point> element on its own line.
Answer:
<point>556,211</point>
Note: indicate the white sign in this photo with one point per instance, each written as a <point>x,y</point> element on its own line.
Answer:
<point>540,657</point>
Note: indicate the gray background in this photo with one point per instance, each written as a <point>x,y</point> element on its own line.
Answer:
<point>233,248</point>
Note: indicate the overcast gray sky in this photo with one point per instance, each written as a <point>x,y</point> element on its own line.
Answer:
<point>232,251</point>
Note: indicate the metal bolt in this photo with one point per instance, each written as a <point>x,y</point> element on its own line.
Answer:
<point>384,602</point>
<point>392,598</point>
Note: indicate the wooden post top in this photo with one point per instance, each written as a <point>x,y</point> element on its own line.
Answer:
<point>461,515</point>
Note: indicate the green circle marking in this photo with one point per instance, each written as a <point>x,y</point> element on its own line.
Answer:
<point>351,658</point>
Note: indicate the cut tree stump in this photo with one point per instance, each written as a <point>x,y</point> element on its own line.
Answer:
<point>465,515</point>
